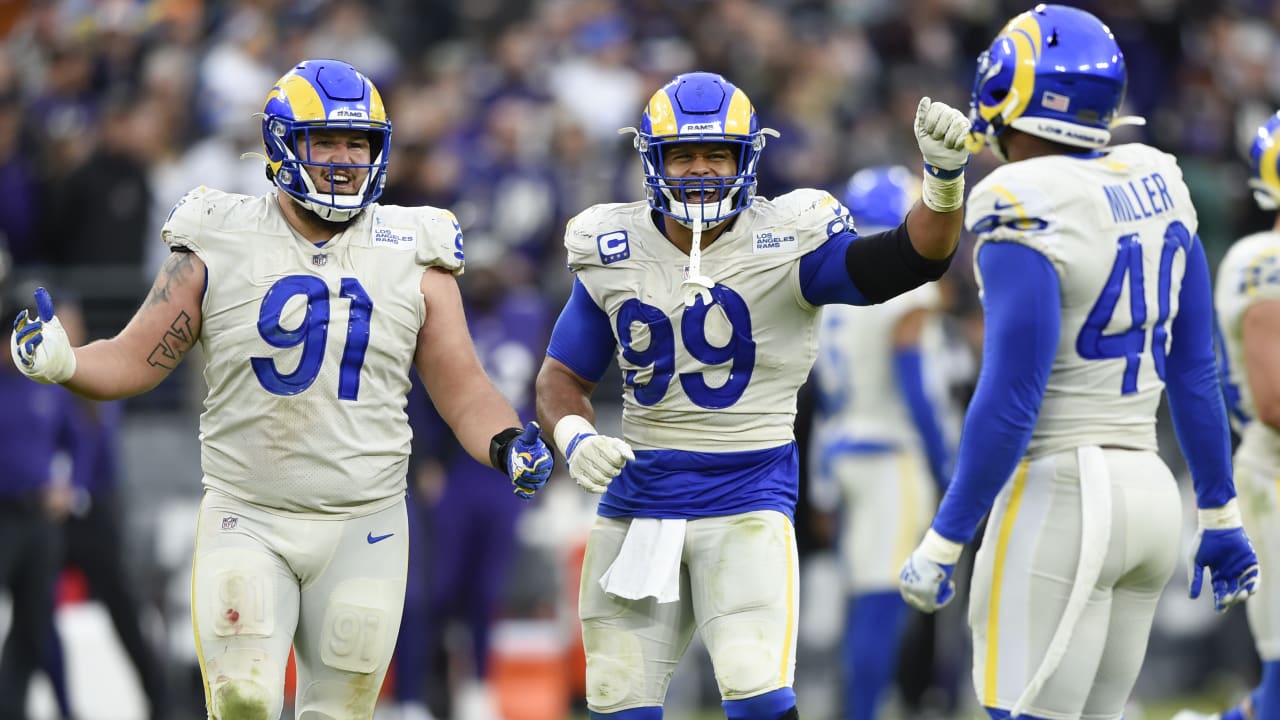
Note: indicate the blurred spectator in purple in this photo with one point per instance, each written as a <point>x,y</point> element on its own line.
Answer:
<point>507,198</point>
<point>97,214</point>
<point>35,497</point>
<point>19,181</point>
<point>93,534</point>
<point>463,524</point>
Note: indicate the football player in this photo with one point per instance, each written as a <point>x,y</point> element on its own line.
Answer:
<point>709,297</point>
<point>881,454</point>
<point>310,304</point>
<point>1247,295</point>
<point>1096,299</point>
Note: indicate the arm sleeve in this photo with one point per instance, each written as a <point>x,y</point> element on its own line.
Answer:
<point>1195,401</point>
<point>875,268</point>
<point>1021,309</point>
<point>910,377</point>
<point>583,338</point>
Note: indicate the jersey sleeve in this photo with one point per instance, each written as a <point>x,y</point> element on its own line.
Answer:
<point>1259,278</point>
<point>1022,322</point>
<point>439,239</point>
<point>995,212</point>
<point>182,228</point>
<point>818,217</point>
<point>588,243</point>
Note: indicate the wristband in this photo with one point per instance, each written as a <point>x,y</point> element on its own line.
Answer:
<point>1226,517</point>
<point>500,445</point>
<point>939,549</point>
<point>941,174</point>
<point>941,193</point>
<point>567,431</point>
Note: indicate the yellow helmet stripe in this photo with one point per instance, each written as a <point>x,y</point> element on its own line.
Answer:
<point>302,98</point>
<point>377,111</point>
<point>1024,32</point>
<point>1267,164</point>
<point>738,119</point>
<point>662,116</point>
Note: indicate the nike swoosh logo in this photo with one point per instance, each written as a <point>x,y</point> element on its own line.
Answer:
<point>377,538</point>
<point>997,205</point>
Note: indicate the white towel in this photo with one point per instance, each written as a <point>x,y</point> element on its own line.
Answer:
<point>648,564</point>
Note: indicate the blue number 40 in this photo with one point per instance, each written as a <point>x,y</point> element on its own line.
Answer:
<point>1094,344</point>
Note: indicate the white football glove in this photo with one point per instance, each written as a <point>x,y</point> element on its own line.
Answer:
<point>941,131</point>
<point>594,460</point>
<point>925,581</point>
<point>39,346</point>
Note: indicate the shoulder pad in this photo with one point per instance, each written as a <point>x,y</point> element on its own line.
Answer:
<point>182,228</point>
<point>811,209</point>
<point>1254,267</point>
<point>603,234</point>
<point>1009,205</point>
<point>433,233</point>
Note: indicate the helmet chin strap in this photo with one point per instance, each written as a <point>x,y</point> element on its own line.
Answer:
<point>330,213</point>
<point>696,285</point>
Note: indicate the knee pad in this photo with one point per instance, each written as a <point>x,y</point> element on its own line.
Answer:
<point>352,696</point>
<point>359,630</point>
<point>235,693</point>
<point>615,666</point>
<point>745,669</point>
<point>243,699</point>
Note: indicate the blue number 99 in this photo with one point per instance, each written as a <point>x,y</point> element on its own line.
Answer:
<point>660,351</point>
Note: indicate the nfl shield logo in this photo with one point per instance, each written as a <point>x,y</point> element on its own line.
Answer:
<point>229,522</point>
<point>319,260</point>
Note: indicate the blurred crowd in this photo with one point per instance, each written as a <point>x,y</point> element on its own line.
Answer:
<point>507,111</point>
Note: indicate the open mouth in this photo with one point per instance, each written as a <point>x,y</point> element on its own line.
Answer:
<point>340,182</point>
<point>701,196</point>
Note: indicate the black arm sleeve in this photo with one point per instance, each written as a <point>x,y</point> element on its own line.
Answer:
<point>886,264</point>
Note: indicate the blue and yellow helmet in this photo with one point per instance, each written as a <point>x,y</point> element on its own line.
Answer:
<point>324,95</point>
<point>1264,164</point>
<point>700,107</point>
<point>1055,72</point>
<point>879,197</point>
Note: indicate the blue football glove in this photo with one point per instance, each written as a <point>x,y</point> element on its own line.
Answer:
<point>39,345</point>
<point>925,581</point>
<point>1228,556</point>
<point>529,462</point>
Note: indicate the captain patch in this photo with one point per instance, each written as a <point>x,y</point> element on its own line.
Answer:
<point>775,240</point>
<point>394,238</point>
<point>613,246</point>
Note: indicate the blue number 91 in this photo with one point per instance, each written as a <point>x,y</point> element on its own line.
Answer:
<point>312,334</point>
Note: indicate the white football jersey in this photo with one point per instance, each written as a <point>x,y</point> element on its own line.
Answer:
<point>1249,273</point>
<point>308,348</point>
<point>1110,225</point>
<point>718,379</point>
<point>855,372</point>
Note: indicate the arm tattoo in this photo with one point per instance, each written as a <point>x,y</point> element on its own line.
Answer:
<point>179,338</point>
<point>176,267</point>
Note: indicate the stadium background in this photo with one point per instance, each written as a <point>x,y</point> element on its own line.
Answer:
<point>505,111</point>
